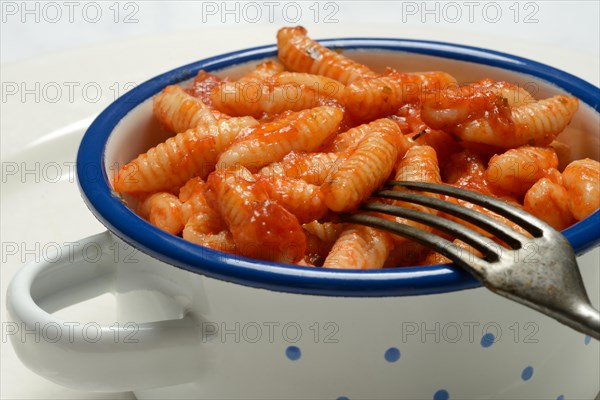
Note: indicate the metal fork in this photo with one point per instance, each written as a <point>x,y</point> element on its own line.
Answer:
<point>549,283</point>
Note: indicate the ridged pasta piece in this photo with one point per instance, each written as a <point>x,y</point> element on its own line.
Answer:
<point>232,192</point>
<point>549,201</point>
<point>173,162</point>
<point>323,87</point>
<point>581,178</point>
<point>270,142</point>
<point>377,97</point>
<point>229,130</point>
<point>267,91</point>
<point>419,164</point>
<point>256,98</point>
<point>178,111</point>
<point>516,170</point>
<point>163,210</point>
<point>302,54</point>
<point>168,165</point>
<point>349,139</point>
<point>476,114</point>
<point>359,247</point>
<point>365,169</point>
<point>542,121</point>
<point>302,199</point>
<point>261,228</point>
<point>311,167</point>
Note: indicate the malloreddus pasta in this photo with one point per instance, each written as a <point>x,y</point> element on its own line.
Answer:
<point>260,165</point>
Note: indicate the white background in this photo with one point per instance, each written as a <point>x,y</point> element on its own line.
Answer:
<point>116,43</point>
<point>35,28</point>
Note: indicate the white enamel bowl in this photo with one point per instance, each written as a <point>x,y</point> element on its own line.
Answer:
<point>196,323</point>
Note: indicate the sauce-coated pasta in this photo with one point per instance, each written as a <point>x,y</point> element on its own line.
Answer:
<point>258,165</point>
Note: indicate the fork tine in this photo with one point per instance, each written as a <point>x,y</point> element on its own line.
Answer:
<point>503,232</point>
<point>520,217</point>
<point>475,265</point>
<point>469,236</point>
<point>551,285</point>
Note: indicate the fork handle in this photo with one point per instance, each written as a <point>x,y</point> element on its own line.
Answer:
<point>587,320</point>
<point>582,316</point>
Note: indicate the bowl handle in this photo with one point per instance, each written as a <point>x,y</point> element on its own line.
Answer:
<point>89,356</point>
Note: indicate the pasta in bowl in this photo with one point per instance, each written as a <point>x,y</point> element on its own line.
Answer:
<point>185,159</point>
<point>260,162</point>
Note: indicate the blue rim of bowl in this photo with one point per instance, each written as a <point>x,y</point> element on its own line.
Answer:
<point>404,281</point>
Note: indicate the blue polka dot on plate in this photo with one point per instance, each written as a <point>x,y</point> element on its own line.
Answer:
<point>527,373</point>
<point>392,354</point>
<point>441,394</point>
<point>487,340</point>
<point>342,398</point>
<point>293,353</point>
<point>561,397</point>
<point>587,340</point>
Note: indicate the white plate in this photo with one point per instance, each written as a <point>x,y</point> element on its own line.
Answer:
<point>41,130</point>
